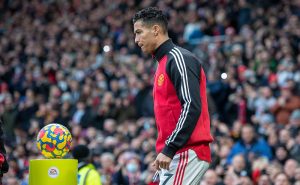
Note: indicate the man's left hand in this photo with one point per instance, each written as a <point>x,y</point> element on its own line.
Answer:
<point>162,162</point>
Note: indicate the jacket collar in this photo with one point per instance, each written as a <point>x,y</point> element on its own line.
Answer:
<point>163,49</point>
<point>84,164</point>
<point>81,165</point>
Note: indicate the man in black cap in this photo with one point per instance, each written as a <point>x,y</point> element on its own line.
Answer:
<point>87,173</point>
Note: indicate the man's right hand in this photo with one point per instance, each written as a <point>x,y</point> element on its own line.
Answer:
<point>162,162</point>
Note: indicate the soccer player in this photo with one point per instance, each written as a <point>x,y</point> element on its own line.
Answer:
<point>180,102</point>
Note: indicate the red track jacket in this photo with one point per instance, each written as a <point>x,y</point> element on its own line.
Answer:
<point>180,103</point>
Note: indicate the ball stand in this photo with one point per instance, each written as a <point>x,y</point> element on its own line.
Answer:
<point>53,172</point>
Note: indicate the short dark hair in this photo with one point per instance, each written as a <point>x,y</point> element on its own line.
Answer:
<point>150,16</point>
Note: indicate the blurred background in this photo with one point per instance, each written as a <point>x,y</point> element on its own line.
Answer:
<point>75,63</point>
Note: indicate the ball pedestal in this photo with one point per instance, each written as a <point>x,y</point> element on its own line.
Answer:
<point>53,171</point>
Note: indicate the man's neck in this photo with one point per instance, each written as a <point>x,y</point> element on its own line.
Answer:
<point>161,41</point>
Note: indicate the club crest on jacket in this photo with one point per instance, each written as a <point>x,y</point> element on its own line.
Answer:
<point>161,79</point>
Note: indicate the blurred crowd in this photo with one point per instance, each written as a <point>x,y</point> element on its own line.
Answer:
<point>75,63</point>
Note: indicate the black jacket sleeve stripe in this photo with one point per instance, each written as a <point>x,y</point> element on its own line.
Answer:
<point>184,91</point>
<point>184,72</point>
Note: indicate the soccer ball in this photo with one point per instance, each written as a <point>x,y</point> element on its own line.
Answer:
<point>54,141</point>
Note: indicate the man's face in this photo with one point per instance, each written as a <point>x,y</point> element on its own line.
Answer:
<point>210,177</point>
<point>144,37</point>
<point>247,134</point>
<point>238,163</point>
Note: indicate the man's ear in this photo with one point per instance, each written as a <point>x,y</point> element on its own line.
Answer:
<point>156,29</point>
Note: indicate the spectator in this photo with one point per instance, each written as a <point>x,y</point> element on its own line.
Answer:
<point>231,178</point>
<point>295,148</point>
<point>264,179</point>
<point>107,168</point>
<point>264,101</point>
<point>129,171</point>
<point>12,181</point>
<point>286,103</point>
<point>282,154</point>
<point>250,146</point>
<point>281,179</point>
<point>87,174</point>
<point>294,122</point>
<point>297,174</point>
<point>9,117</point>
<point>289,169</point>
<point>239,166</point>
<point>3,162</point>
<point>211,178</point>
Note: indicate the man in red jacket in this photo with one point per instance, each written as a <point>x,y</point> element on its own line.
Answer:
<point>180,102</point>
